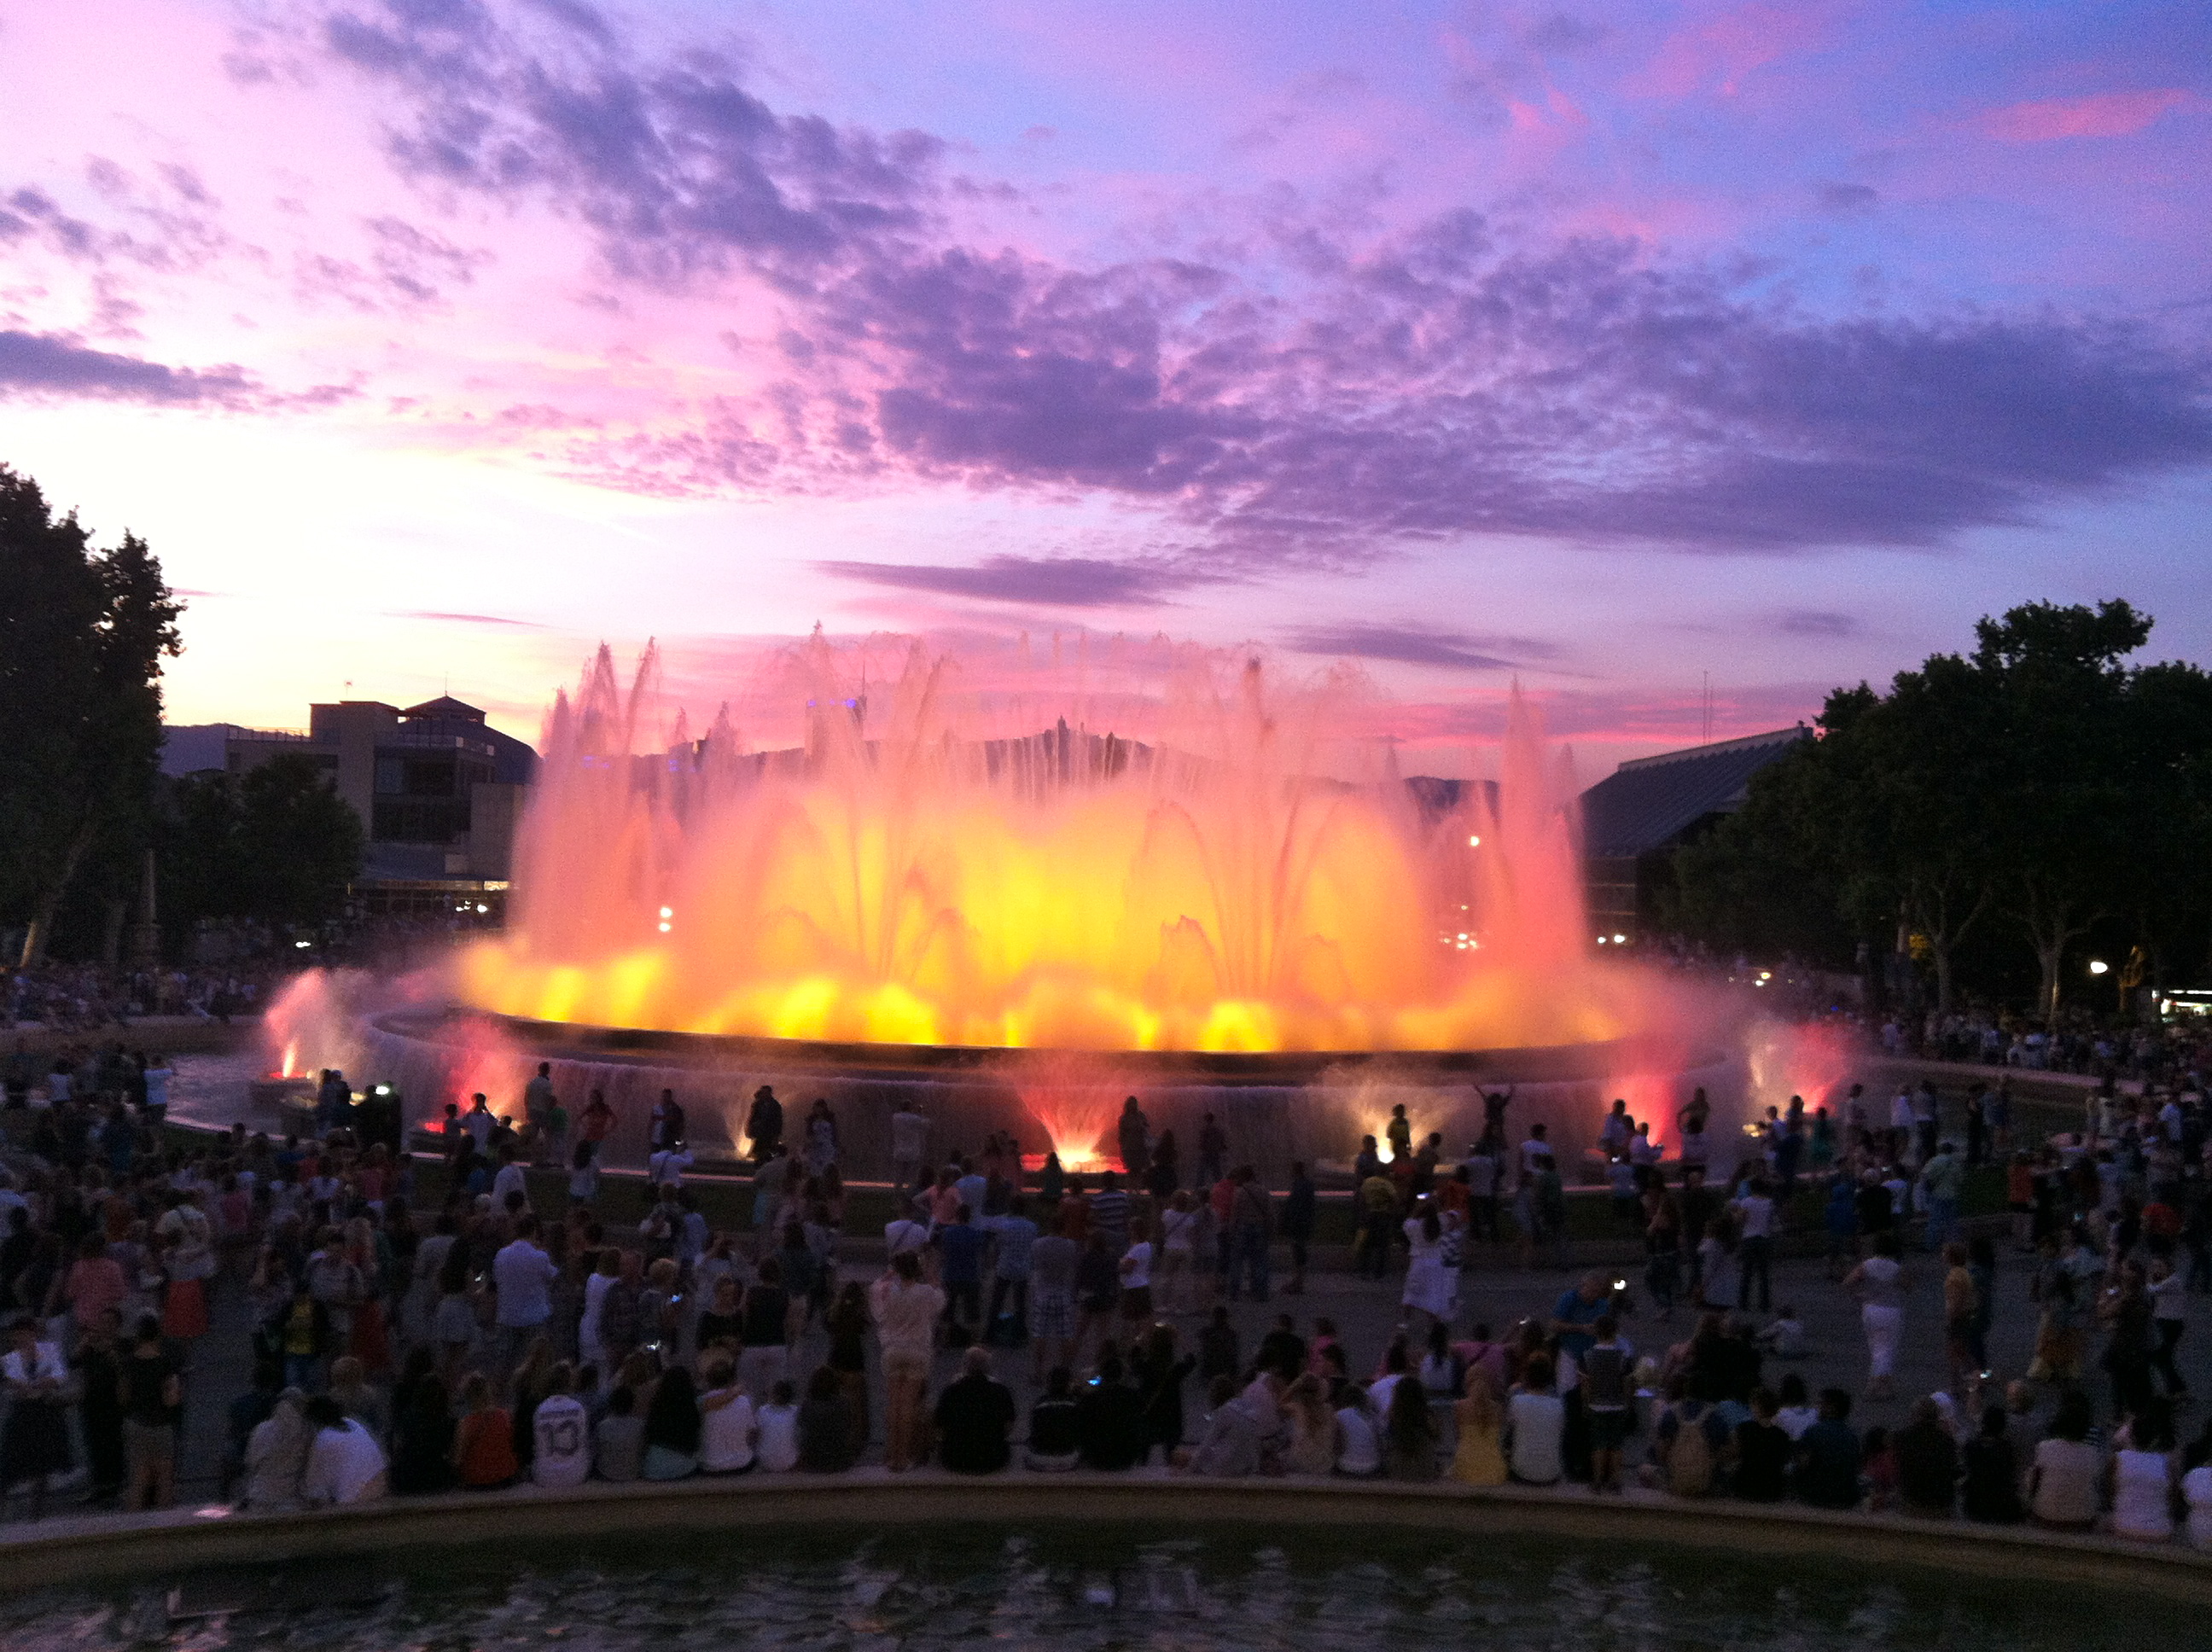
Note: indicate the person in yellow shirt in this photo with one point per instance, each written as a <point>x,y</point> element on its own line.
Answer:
<point>1479,1459</point>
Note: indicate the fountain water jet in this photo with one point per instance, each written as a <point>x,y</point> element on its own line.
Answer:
<point>928,892</point>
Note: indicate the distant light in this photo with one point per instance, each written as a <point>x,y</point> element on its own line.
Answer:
<point>2097,966</point>
<point>666,928</point>
<point>481,907</point>
<point>1601,940</point>
<point>668,912</point>
<point>1620,940</point>
<point>303,945</point>
<point>1473,843</point>
<point>1765,975</point>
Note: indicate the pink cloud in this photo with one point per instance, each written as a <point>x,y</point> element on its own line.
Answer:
<point>2100,114</point>
<point>1718,53</point>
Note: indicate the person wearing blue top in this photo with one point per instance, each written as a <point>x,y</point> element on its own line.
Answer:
<point>1842,1222</point>
<point>1579,1309</point>
<point>961,1245</point>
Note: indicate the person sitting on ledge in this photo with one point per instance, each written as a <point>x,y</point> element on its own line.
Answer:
<point>974,1419</point>
<point>1054,1443</point>
<point>826,1428</point>
<point>344,1463</point>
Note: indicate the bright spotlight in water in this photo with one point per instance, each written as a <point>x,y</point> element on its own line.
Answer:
<point>1474,842</point>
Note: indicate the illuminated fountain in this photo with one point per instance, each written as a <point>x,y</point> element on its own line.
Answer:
<point>1238,907</point>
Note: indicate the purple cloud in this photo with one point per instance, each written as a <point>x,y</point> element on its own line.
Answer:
<point>1048,581</point>
<point>1310,397</point>
<point>1417,646</point>
<point>46,364</point>
<point>1818,623</point>
<point>680,169</point>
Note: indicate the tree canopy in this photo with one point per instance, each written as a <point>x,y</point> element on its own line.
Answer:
<point>83,635</point>
<point>2036,791</point>
<point>277,844</point>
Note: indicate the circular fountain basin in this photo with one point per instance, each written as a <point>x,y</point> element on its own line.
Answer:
<point>1276,1107</point>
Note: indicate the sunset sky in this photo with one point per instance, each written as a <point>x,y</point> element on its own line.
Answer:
<point>1600,346</point>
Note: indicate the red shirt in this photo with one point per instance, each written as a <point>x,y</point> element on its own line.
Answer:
<point>94,1286</point>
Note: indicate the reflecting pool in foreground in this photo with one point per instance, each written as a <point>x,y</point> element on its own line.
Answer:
<point>1069,1588</point>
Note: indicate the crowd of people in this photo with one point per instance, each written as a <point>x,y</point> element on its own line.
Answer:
<point>404,1346</point>
<point>83,998</point>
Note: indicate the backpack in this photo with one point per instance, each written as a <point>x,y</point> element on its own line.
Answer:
<point>1690,1458</point>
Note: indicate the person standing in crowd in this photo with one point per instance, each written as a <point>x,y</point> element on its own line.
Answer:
<point>1754,1218</point>
<point>1252,1220</point>
<point>763,1127</point>
<point>909,1145</point>
<point>1880,1284</point>
<point>522,1280</point>
<point>1055,1261</point>
<point>153,1405</point>
<point>1132,1136</point>
<point>35,1438</point>
<point>907,1310</point>
<point>1301,1212</point>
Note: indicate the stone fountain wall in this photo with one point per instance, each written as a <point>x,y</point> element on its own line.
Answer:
<point>1268,1125</point>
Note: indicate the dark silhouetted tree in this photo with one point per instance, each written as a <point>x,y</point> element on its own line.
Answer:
<point>83,635</point>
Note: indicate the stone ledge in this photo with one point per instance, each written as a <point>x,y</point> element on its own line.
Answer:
<point>152,1547</point>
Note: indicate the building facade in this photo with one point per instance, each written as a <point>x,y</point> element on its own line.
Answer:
<point>438,790</point>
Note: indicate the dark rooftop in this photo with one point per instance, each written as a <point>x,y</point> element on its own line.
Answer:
<point>445,705</point>
<point>1649,802</point>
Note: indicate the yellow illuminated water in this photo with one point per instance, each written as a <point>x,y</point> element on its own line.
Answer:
<point>898,881</point>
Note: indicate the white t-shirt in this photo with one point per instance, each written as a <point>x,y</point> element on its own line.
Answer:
<point>562,1430</point>
<point>1531,1150</point>
<point>904,1234</point>
<point>2141,1486</point>
<point>665,1168</point>
<point>1176,1229</point>
<point>343,1464</point>
<point>45,1365</point>
<point>1137,1266</point>
<point>1758,1212</point>
<point>725,1436</point>
<point>1358,1450</point>
<point>779,1438</point>
<point>2197,1492</point>
<point>1381,1390</point>
<point>2068,1472</point>
<point>510,1180</point>
<point>522,1275</point>
<point>1536,1421</point>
